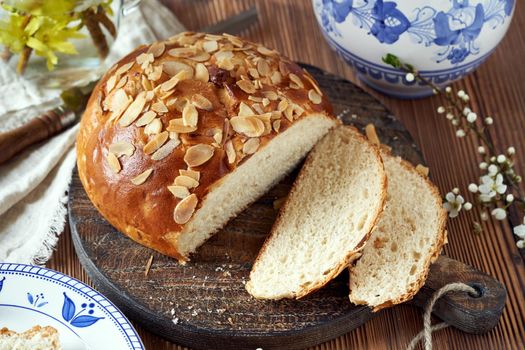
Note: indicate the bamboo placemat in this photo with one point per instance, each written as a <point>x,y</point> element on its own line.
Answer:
<point>496,88</point>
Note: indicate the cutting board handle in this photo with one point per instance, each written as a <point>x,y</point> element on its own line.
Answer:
<point>469,313</point>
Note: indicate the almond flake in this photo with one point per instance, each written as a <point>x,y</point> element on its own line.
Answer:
<point>201,57</point>
<point>265,102</point>
<point>230,152</point>
<point>249,126</point>
<point>179,191</point>
<point>314,84</point>
<point>288,113</point>
<point>296,80</point>
<point>251,146</point>
<point>196,175</point>
<point>276,115</point>
<point>118,103</point>
<point>122,148</point>
<point>257,107</point>
<point>246,86</point>
<point>142,177</point>
<point>185,208</point>
<point>276,125</point>
<point>156,142</point>
<point>265,51</point>
<point>166,149</point>
<point>254,73</point>
<point>282,105</point>
<point>276,78</point>
<point>134,109</point>
<point>159,107</point>
<point>157,49</point>
<point>174,135</point>
<point>218,137</point>
<point>255,98</point>
<point>154,127</point>
<point>198,155</point>
<point>146,118</point>
<point>169,84</point>
<point>226,64</point>
<point>186,181</point>
<point>184,52</point>
<point>283,68</point>
<point>190,115</point>
<point>201,102</point>
<point>146,84</point>
<point>173,67</point>
<point>263,67</point>
<point>234,40</point>
<point>201,72</point>
<point>298,110</point>
<point>144,59</point>
<point>223,55</point>
<point>125,68</point>
<point>113,162</point>
<point>210,46</point>
<point>314,97</point>
<point>110,83</point>
<point>245,110</point>
<point>271,95</point>
<point>156,73</point>
<point>177,125</point>
<point>171,102</point>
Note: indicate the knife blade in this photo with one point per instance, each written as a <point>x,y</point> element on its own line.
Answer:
<point>52,122</point>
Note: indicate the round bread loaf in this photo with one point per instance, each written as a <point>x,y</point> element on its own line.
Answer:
<point>180,136</point>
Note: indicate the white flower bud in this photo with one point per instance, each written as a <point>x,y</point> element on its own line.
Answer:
<point>484,216</point>
<point>501,158</point>
<point>461,93</point>
<point>410,77</point>
<point>467,206</point>
<point>465,98</point>
<point>466,111</point>
<point>483,165</point>
<point>473,188</point>
<point>493,170</point>
<point>511,151</point>
<point>455,122</point>
<point>509,198</point>
<point>521,244</point>
<point>455,190</point>
<point>481,150</point>
<point>441,110</point>
<point>448,89</point>
<point>489,121</point>
<point>493,159</point>
<point>460,133</point>
<point>499,214</point>
<point>471,117</point>
<point>450,116</point>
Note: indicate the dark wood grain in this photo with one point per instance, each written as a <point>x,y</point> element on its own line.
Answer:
<point>496,88</point>
<point>207,295</point>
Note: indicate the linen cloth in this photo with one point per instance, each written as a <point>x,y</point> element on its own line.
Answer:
<point>33,185</point>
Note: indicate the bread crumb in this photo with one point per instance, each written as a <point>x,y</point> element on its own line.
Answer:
<point>148,265</point>
<point>380,242</point>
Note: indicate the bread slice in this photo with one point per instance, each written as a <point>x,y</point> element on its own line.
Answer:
<point>326,220</point>
<point>408,238</point>
<point>36,338</point>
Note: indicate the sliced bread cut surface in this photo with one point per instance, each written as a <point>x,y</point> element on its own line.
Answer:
<point>327,217</point>
<point>36,338</point>
<point>408,238</point>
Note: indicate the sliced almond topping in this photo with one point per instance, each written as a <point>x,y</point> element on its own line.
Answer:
<point>223,55</point>
<point>288,113</point>
<point>314,97</point>
<point>146,84</point>
<point>226,64</point>
<point>283,68</point>
<point>201,72</point>
<point>150,95</point>
<point>173,67</point>
<point>282,106</point>
<point>185,208</point>
<point>171,102</point>
<point>276,125</point>
<point>246,86</point>
<point>230,152</point>
<point>255,98</point>
<point>166,149</point>
<point>251,146</point>
<point>265,102</point>
<point>122,148</point>
<point>169,84</point>
<point>190,115</point>
<point>201,102</point>
<point>144,59</point>
<point>198,155</point>
<point>263,67</point>
<point>314,84</point>
<point>294,78</point>
<point>298,110</point>
<point>186,181</point>
<point>245,110</point>
<point>146,118</point>
<point>156,73</point>
<point>182,52</point>
<point>265,51</point>
<point>218,137</point>
<point>154,127</point>
<point>179,191</point>
<point>134,109</point>
<point>125,68</point>
<point>254,73</point>
<point>156,142</point>
<point>174,135</point>
<point>271,95</point>
<point>177,125</point>
<point>249,126</point>
<point>201,57</point>
<point>159,107</point>
<point>113,162</point>
<point>142,177</point>
<point>157,49</point>
<point>118,104</point>
<point>276,77</point>
<point>257,107</point>
<point>110,83</point>
<point>196,175</point>
<point>210,46</point>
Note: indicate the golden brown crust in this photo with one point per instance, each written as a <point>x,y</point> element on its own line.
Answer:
<point>47,332</point>
<point>117,141</point>
<point>441,238</point>
<point>351,256</point>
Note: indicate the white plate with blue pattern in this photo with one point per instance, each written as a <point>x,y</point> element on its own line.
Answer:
<point>84,318</point>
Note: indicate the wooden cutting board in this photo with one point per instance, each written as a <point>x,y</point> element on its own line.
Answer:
<point>204,305</point>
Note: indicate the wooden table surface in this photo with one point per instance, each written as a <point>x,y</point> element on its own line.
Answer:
<point>496,88</point>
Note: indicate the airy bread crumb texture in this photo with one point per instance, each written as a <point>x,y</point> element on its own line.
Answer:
<point>36,338</point>
<point>326,219</point>
<point>409,237</point>
<point>252,179</point>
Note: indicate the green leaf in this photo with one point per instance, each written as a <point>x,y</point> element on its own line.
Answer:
<point>392,60</point>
